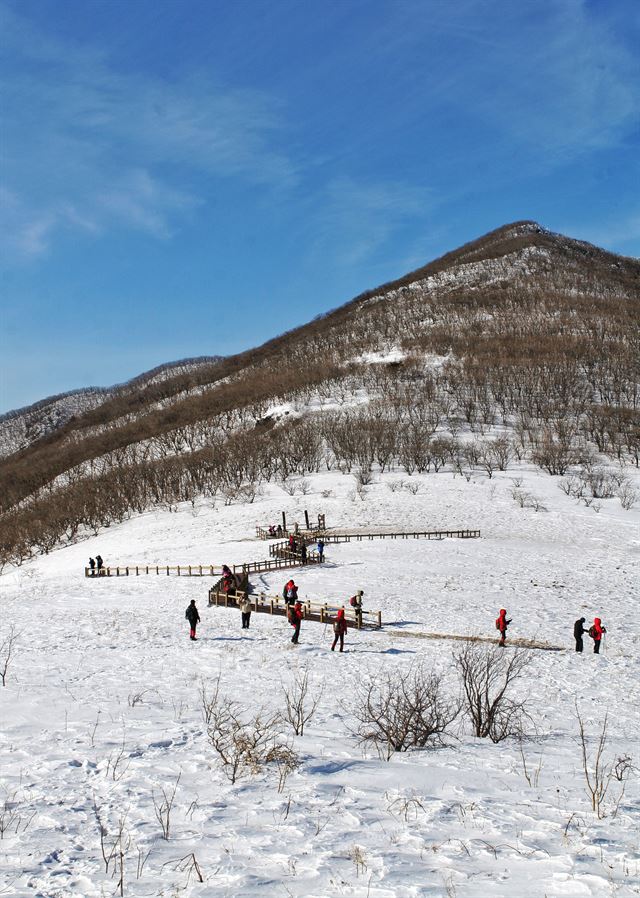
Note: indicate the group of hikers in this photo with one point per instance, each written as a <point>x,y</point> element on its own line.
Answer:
<point>96,565</point>
<point>298,546</point>
<point>596,631</point>
<point>295,614</point>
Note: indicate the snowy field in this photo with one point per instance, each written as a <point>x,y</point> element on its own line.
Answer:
<point>102,711</point>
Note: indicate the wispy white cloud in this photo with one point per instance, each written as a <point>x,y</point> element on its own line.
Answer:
<point>354,219</point>
<point>622,233</point>
<point>88,147</point>
<point>558,83</point>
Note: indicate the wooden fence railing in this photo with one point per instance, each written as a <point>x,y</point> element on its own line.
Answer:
<point>137,570</point>
<point>201,570</point>
<point>401,534</point>
<point>313,611</point>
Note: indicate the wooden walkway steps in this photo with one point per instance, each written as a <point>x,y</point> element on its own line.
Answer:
<point>313,611</point>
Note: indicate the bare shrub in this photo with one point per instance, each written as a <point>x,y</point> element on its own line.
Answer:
<point>363,476</point>
<point>289,485</point>
<point>162,807</point>
<point>628,495</point>
<point>7,650</point>
<point>395,485</point>
<point>114,845</point>
<point>486,678</point>
<point>12,813</point>
<point>414,487</point>
<point>245,745</point>
<point>403,710</point>
<point>304,487</point>
<point>358,857</point>
<point>300,706</point>
<point>599,772</point>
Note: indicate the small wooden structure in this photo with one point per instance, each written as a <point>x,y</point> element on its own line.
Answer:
<point>313,611</point>
<point>311,531</point>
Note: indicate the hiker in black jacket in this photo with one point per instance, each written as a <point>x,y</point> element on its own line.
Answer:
<point>578,630</point>
<point>193,617</point>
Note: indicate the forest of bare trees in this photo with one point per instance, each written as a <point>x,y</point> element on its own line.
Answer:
<point>543,367</point>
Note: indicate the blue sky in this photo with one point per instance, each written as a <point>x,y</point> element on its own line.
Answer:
<point>192,177</point>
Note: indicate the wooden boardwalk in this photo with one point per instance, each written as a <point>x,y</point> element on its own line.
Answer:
<point>313,611</point>
<point>200,570</point>
<point>356,536</point>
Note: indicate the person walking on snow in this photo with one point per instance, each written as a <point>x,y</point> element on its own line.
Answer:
<point>501,624</point>
<point>290,593</point>
<point>193,617</point>
<point>92,565</point>
<point>99,564</point>
<point>596,632</point>
<point>321,550</point>
<point>356,604</point>
<point>245,609</point>
<point>578,631</point>
<point>295,619</point>
<point>339,629</point>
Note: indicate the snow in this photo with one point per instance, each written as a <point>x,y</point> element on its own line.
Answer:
<point>104,674</point>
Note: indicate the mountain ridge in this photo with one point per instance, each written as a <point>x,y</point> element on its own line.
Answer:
<point>521,327</point>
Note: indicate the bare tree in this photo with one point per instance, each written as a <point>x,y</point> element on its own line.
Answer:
<point>404,710</point>
<point>163,807</point>
<point>487,677</point>
<point>7,647</point>
<point>300,706</point>
<point>600,772</point>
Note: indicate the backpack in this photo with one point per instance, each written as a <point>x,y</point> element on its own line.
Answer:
<point>592,631</point>
<point>353,601</point>
<point>498,627</point>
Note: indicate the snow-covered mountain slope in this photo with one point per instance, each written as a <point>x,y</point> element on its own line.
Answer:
<point>24,426</point>
<point>102,710</point>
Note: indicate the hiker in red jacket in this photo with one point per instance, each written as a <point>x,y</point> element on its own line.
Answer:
<point>339,629</point>
<point>295,619</point>
<point>290,593</point>
<point>596,632</point>
<point>501,624</point>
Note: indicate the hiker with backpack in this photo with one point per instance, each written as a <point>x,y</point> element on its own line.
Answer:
<point>193,617</point>
<point>295,619</point>
<point>290,593</point>
<point>356,604</point>
<point>578,631</point>
<point>339,629</point>
<point>596,632</point>
<point>228,580</point>
<point>501,624</point>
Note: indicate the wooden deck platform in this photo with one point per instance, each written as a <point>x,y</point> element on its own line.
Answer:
<point>313,611</point>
